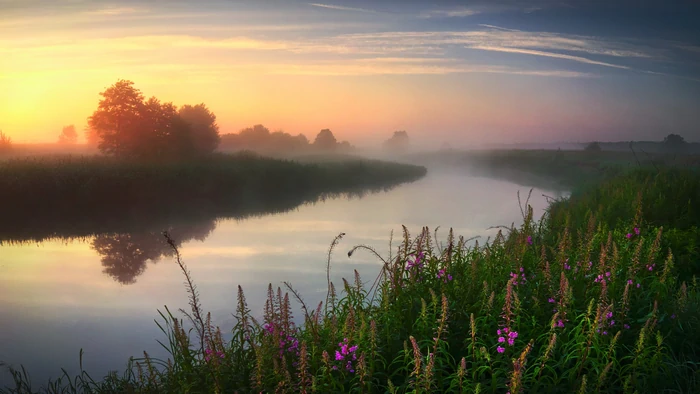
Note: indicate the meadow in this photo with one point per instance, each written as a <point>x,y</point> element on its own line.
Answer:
<point>599,295</point>
<point>77,195</point>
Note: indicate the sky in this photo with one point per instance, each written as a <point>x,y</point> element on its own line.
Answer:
<point>463,72</point>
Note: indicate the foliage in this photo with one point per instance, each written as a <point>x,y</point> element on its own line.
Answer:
<point>675,143</point>
<point>68,135</point>
<point>5,143</point>
<point>593,147</point>
<point>581,309</point>
<point>325,140</point>
<point>259,138</point>
<point>129,127</point>
<point>398,142</point>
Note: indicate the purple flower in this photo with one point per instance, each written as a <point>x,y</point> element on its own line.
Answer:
<point>522,269</point>
<point>626,326</point>
<point>612,322</point>
<point>673,316</point>
<point>638,285</point>
<point>608,274</point>
<point>629,235</point>
<point>629,281</point>
<point>511,341</point>
<point>529,240</point>
<point>500,349</point>
<point>567,266</point>
<point>551,300</point>
<point>498,331</point>
<point>605,333</point>
<point>501,339</point>
<point>609,315</point>
<point>560,324</point>
<point>636,230</point>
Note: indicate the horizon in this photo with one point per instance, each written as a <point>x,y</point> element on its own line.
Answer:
<point>466,73</point>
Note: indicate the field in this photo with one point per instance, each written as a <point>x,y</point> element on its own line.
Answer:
<point>598,296</point>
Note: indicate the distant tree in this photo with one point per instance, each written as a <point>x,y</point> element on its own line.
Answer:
<point>5,143</point>
<point>68,135</point>
<point>675,143</point>
<point>205,131</point>
<point>259,138</point>
<point>593,147</point>
<point>255,137</point>
<point>345,146</point>
<point>325,140</point>
<point>398,142</point>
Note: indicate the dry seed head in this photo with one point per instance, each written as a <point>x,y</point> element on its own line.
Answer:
<point>417,356</point>
<point>604,374</point>
<point>489,304</point>
<point>582,390</point>
<point>668,266</point>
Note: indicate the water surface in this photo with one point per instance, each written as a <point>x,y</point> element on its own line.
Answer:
<point>101,293</point>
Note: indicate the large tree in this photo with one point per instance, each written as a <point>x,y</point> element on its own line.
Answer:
<point>127,126</point>
<point>118,120</point>
<point>68,135</point>
<point>325,140</point>
<point>205,131</point>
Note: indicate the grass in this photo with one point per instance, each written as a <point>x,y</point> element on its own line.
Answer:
<point>570,169</point>
<point>79,196</point>
<point>586,300</point>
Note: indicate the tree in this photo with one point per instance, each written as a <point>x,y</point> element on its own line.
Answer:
<point>5,143</point>
<point>68,135</point>
<point>127,126</point>
<point>675,143</point>
<point>398,142</point>
<point>325,140</point>
<point>593,147</point>
<point>254,137</point>
<point>205,131</point>
<point>92,138</point>
<point>118,120</point>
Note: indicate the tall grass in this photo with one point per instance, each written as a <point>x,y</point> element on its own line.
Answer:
<point>539,309</point>
<point>42,197</point>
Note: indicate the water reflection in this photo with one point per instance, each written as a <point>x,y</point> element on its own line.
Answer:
<point>125,256</point>
<point>127,242</point>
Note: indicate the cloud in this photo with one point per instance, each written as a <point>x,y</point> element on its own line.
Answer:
<point>342,8</point>
<point>547,54</point>
<point>114,11</point>
<point>453,13</point>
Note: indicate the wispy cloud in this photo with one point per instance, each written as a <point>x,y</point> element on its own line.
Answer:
<point>547,54</point>
<point>342,8</point>
<point>461,12</point>
<point>114,11</point>
<point>497,27</point>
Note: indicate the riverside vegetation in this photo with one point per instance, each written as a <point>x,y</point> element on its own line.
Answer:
<point>72,196</point>
<point>600,295</point>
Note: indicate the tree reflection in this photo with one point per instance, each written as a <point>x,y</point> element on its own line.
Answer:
<point>125,256</point>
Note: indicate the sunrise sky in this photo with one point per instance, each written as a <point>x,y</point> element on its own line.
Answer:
<point>459,71</point>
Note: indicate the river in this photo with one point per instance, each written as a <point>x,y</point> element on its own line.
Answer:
<point>102,293</point>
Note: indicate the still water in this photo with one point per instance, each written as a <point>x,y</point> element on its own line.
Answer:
<point>102,293</point>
